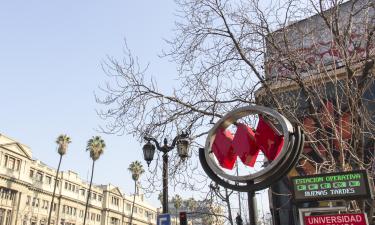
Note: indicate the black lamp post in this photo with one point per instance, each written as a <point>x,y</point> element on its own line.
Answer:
<point>182,143</point>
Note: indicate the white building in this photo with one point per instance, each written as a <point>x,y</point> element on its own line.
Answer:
<point>26,187</point>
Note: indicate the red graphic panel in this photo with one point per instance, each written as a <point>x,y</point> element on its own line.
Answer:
<point>223,150</point>
<point>244,144</point>
<point>268,141</point>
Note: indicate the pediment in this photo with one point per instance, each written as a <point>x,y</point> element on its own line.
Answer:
<point>116,191</point>
<point>17,149</point>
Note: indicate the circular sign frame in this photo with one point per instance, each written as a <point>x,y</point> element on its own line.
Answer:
<point>291,149</point>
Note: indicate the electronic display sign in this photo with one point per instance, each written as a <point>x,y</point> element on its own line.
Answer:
<point>331,186</point>
<point>338,219</point>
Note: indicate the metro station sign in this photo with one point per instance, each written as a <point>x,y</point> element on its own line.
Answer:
<point>253,134</point>
<point>338,219</point>
<point>331,186</point>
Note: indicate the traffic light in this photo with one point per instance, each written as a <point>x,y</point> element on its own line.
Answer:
<point>183,219</point>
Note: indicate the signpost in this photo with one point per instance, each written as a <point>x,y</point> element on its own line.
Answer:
<point>164,219</point>
<point>337,219</point>
<point>331,186</point>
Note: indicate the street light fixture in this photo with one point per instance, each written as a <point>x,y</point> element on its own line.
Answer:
<point>183,147</point>
<point>148,152</point>
<point>182,143</point>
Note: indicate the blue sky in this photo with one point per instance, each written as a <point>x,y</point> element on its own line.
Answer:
<point>50,65</point>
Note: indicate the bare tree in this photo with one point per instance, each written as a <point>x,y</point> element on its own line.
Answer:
<point>223,196</point>
<point>311,60</point>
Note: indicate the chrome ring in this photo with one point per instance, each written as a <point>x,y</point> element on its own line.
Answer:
<point>228,120</point>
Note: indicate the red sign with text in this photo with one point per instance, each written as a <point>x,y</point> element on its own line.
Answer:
<point>338,219</point>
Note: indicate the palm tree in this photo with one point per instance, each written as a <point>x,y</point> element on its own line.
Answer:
<point>63,141</point>
<point>96,147</point>
<point>137,170</point>
<point>192,205</point>
<point>177,202</point>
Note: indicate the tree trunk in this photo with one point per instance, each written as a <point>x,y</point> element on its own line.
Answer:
<point>89,192</point>
<point>54,193</point>
<point>135,190</point>
<point>177,217</point>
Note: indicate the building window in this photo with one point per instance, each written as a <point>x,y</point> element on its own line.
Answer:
<point>2,215</point>
<point>98,217</point>
<point>69,210</point>
<point>12,163</point>
<point>39,176</point>
<point>48,179</point>
<point>18,165</point>
<point>8,218</point>
<point>57,183</point>
<point>6,159</point>
<point>66,185</point>
<point>115,221</point>
<point>100,198</point>
<point>83,192</point>
<point>31,173</point>
<point>28,200</point>
<point>7,194</point>
<point>128,206</point>
<point>135,209</point>
<point>115,201</point>
<point>35,202</point>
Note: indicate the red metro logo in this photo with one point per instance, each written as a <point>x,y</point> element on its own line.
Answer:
<point>246,144</point>
<point>281,147</point>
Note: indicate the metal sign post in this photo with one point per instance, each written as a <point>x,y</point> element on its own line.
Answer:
<point>252,207</point>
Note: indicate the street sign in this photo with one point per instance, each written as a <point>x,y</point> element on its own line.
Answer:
<point>338,219</point>
<point>164,219</point>
<point>331,186</point>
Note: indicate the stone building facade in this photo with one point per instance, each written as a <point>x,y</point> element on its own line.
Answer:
<point>26,187</point>
<point>322,66</point>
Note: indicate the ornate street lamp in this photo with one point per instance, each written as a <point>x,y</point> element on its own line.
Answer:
<point>182,143</point>
<point>183,146</point>
<point>148,152</point>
